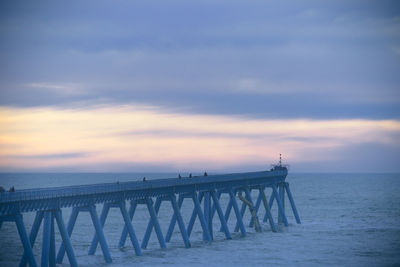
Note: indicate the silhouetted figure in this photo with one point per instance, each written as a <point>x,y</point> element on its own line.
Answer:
<point>12,189</point>
<point>2,189</point>
<point>144,179</point>
<point>190,175</point>
<point>180,177</point>
<point>205,174</point>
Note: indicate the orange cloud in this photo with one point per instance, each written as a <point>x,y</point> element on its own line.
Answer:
<point>50,137</point>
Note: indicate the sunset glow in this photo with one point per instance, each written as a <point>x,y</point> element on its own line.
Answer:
<point>34,138</point>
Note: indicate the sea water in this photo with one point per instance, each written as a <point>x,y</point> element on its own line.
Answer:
<point>347,219</point>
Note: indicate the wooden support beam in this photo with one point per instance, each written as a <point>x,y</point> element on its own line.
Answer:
<point>267,210</point>
<point>48,245</point>
<point>221,215</point>
<point>155,223</point>
<point>52,250</point>
<point>200,214</point>
<point>181,224</point>
<point>282,199</point>
<point>150,226</point>
<point>65,237</point>
<point>296,215</point>
<point>237,213</point>
<point>213,208</point>
<point>24,239</point>
<point>129,226</point>
<point>32,235</point>
<point>124,233</point>
<point>70,227</point>
<point>256,207</point>
<point>227,212</point>
<point>207,215</point>
<point>103,217</point>
<point>280,208</point>
<point>270,203</point>
<point>46,239</point>
<point>242,212</point>
<point>194,212</point>
<point>249,202</point>
<point>100,234</point>
<point>173,219</point>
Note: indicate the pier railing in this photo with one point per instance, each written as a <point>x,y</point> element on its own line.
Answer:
<point>206,190</point>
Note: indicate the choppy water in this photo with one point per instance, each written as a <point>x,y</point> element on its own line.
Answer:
<point>347,219</point>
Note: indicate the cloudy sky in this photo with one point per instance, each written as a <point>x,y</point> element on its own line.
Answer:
<point>193,86</point>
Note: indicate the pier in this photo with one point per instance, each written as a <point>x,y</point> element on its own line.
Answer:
<point>204,191</point>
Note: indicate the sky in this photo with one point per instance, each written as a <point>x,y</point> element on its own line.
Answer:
<point>188,86</point>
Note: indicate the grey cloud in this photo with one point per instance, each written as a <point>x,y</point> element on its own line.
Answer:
<point>321,60</point>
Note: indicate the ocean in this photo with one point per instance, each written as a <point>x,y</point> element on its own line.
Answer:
<point>347,219</point>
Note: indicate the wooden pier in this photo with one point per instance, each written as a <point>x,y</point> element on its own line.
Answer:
<point>204,191</point>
